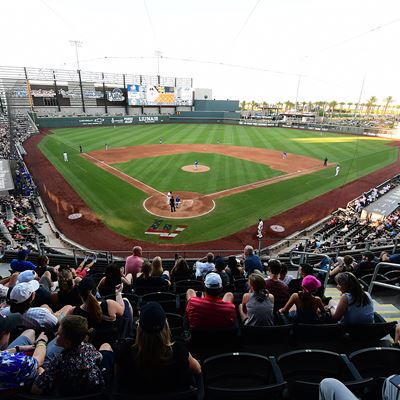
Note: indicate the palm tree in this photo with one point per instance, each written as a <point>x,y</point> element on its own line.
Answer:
<point>387,101</point>
<point>288,105</point>
<point>332,106</point>
<point>342,103</point>
<point>371,104</point>
<point>243,105</point>
<point>253,105</point>
<point>349,104</point>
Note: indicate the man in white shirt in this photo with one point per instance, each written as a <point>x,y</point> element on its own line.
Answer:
<point>205,265</point>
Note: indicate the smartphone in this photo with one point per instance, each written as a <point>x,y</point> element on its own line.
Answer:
<point>395,381</point>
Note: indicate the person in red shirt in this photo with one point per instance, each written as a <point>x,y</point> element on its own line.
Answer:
<point>210,311</point>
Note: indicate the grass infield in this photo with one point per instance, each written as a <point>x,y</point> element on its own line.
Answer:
<point>119,205</point>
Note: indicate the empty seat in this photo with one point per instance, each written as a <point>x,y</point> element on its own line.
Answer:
<point>304,370</point>
<point>182,286</point>
<point>318,332</point>
<point>370,332</point>
<point>190,394</point>
<point>242,376</point>
<point>167,300</point>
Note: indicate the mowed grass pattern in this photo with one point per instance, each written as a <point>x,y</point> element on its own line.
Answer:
<point>165,174</point>
<point>119,205</point>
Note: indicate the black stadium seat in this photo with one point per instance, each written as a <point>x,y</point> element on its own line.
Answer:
<point>304,370</point>
<point>242,376</point>
<point>190,394</point>
<point>167,300</point>
<point>307,333</point>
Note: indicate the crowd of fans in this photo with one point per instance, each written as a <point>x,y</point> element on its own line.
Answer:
<point>78,332</point>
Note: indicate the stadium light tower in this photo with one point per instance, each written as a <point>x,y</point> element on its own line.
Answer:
<point>76,44</point>
<point>158,54</point>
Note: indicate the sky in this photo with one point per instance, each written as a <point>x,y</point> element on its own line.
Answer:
<point>262,50</point>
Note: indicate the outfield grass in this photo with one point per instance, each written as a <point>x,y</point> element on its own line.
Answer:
<point>164,173</point>
<point>119,205</point>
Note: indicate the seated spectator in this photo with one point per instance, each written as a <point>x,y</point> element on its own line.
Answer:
<point>77,370</point>
<point>43,294</point>
<point>6,284</point>
<point>17,369</point>
<point>85,265</point>
<point>332,389</point>
<point>8,323</point>
<point>133,263</point>
<point>210,311</point>
<point>283,276</point>
<point>355,306</point>
<point>146,281</point>
<point>220,270</point>
<point>21,297</point>
<point>252,262</point>
<point>234,268</point>
<point>390,258</point>
<point>67,293</point>
<point>257,308</point>
<point>101,314</point>
<point>295,284</point>
<point>154,364</point>
<point>181,271</point>
<point>204,266</point>
<point>157,269</point>
<point>276,287</point>
<point>21,264</point>
<point>324,264</point>
<point>114,276</point>
<point>308,307</point>
<point>343,264</point>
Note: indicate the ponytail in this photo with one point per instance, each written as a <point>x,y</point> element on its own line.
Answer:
<point>93,308</point>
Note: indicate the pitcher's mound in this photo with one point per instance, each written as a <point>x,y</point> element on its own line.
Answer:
<point>192,205</point>
<point>191,168</point>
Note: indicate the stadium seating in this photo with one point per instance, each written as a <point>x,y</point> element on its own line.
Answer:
<point>242,376</point>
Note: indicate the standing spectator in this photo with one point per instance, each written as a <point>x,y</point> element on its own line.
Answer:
<point>133,263</point>
<point>21,264</point>
<point>257,308</point>
<point>210,311</point>
<point>251,261</point>
<point>205,265</point>
<point>275,286</point>
<point>154,364</point>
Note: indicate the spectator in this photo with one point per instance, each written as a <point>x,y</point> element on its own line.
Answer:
<point>205,265</point>
<point>133,263</point>
<point>308,306</point>
<point>154,364</point>
<point>220,270</point>
<point>294,285</point>
<point>390,258</point>
<point>21,264</point>
<point>21,297</point>
<point>257,308</point>
<point>355,306</point>
<point>181,271</point>
<point>276,287</point>
<point>145,281</point>
<point>84,266</point>
<point>366,265</point>
<point>7,324</point>
<point>332,389</point>
<point>324,264</point>
<point>210,311</point>
<point>114,276</point>
<point>234,268</point>
<point>43,294</point>
<point>283,276</point>
<point>77,369</point>
<point>67,293</point>
<point>157,269</point>
<point>17,369</point>
<point>343,264</point>
<point>252,262</point>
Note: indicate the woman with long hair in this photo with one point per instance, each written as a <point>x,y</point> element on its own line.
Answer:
<point>114,276</point>
<point>99,313</point>
<point>67,292</point>
<point>257,308</point>
<point>355,306</point>
<point>157,269</point>
<point>154,364</point>
<point>308,307</point>
<point>146,282</point>
<point>181,271</point>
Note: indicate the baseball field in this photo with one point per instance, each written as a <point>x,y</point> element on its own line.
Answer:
<point>123,185</point>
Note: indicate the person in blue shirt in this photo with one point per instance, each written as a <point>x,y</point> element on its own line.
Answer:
<point>21,264</point>
<point>251,261</point>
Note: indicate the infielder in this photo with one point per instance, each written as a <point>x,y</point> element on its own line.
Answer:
<point>65,154</point>
<point>337,170</point>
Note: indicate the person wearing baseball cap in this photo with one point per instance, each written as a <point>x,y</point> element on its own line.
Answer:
<point>21,298</point>
<point>20,263</point>
<point>42,294</point>
<point>307,306</point>
<point>210,311</point>
<point>154,364</point>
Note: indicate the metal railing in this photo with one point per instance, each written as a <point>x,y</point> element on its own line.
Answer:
<point>374,282</point>
<point>304,255</point>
